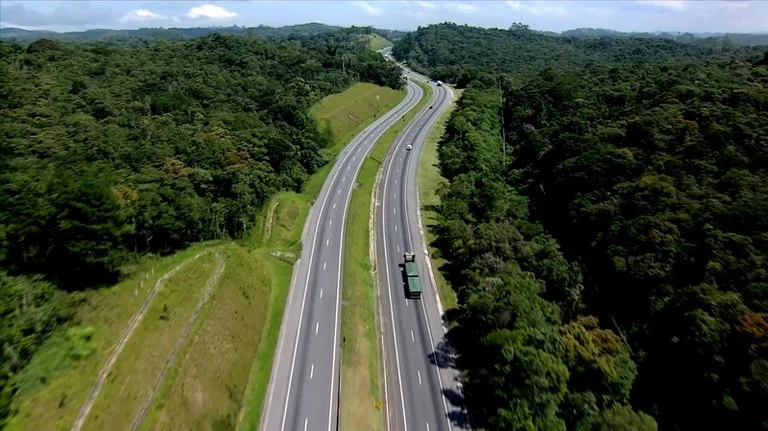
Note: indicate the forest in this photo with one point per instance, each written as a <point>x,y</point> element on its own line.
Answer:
<point>110,152</point>
<point>144,34</point>
<point>605,227</point>
<point>460,53</point>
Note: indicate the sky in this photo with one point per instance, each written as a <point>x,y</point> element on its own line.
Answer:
<point>623,15</point>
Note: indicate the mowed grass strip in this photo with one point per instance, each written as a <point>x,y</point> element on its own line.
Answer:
<point>146,353</point>
<point>60,377</point>
<point>428,179</point>
<point>361,401</point>
<point>376,41</point>
<point>344,115</point>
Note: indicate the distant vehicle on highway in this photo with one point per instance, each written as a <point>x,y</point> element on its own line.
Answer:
<point>439,83</point>
<point>430,106</point>
<point>414,285</point>
<point>409,147</point>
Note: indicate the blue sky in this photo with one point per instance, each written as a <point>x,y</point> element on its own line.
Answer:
<point>626,15</point>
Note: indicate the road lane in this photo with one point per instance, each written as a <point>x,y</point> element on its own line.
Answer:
<point>422,389</point>
<point>303,388</point>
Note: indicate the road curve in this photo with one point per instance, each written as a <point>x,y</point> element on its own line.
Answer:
<point>421,387</point>
<point>303,387</point>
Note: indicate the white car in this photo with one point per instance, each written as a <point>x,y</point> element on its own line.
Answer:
<point>409,147</point>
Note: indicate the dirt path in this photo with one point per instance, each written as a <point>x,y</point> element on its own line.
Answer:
<point>132,325</point>
<point>180,342</point>
<point>270,220</point>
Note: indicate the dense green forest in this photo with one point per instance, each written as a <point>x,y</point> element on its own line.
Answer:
<point>460,53</point>
<point>266,32</point>
<point>605,226</point>
<point>110,152</point>
<point>729,39</point>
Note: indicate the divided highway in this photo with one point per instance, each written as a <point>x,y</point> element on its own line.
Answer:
<point>421,388</point>
<point>304,384</point>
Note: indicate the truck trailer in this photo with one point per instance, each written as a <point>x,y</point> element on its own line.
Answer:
<point>412,276</point>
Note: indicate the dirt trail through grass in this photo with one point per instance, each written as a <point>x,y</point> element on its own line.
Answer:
<point>132,325</point>
<point>182,338</point>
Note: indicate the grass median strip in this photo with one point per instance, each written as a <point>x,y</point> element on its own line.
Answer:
<point>428,179</point>
<point>362,406</point>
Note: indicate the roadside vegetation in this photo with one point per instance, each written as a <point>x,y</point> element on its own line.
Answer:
<point>603,227</point>
<point>376,42</point>
<point>360,389</point>
<point>115,184</point>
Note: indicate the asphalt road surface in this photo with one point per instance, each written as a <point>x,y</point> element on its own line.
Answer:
<point>303,387</point>
<point>422,392</point>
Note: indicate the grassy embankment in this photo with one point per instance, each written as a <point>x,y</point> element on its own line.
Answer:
<point>377,42</point>
<point>362,406</point>
<point>428,179</point>
<point>226,360</point>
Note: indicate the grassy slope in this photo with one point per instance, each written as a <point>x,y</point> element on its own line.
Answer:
<point>57,383</point>
<point>362,407</point>
<point>145,354</point>
<point>428,179</point>
<point>376,42</point>
<point>238,327</point>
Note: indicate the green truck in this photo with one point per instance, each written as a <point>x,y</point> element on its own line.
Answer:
<point>412,276</point>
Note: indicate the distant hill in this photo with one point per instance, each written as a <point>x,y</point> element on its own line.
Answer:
<point>456,53</point>
<point>734,39</point>
<point>310,29</point>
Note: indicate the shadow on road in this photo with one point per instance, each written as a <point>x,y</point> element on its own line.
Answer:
<point>443,356</point>
<point>460,418</point>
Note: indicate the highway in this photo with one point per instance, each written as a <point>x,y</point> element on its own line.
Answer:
<point>303,388</point>
<point>421,389</point>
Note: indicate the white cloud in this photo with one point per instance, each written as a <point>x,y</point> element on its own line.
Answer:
<point>426,4</point>
<point>462,7</point>
<point>210,11</point>
<point>664,4</point>
<point>366,7</point>
<point>140,15</point>
<point>539,7</point>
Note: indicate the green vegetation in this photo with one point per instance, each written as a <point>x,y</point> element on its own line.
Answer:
<point>604,227</point>
<point>56,383</point>
<point>143,35</point>
<point>360,356</point>
<point>429,181</point>
<point>459,53</point>
<point>200,390</point>
<point>376,42</point>
<point>53,387</point>
<point>114,153</point>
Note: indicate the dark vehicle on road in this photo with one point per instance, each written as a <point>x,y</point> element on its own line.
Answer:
<point>412,276</point>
